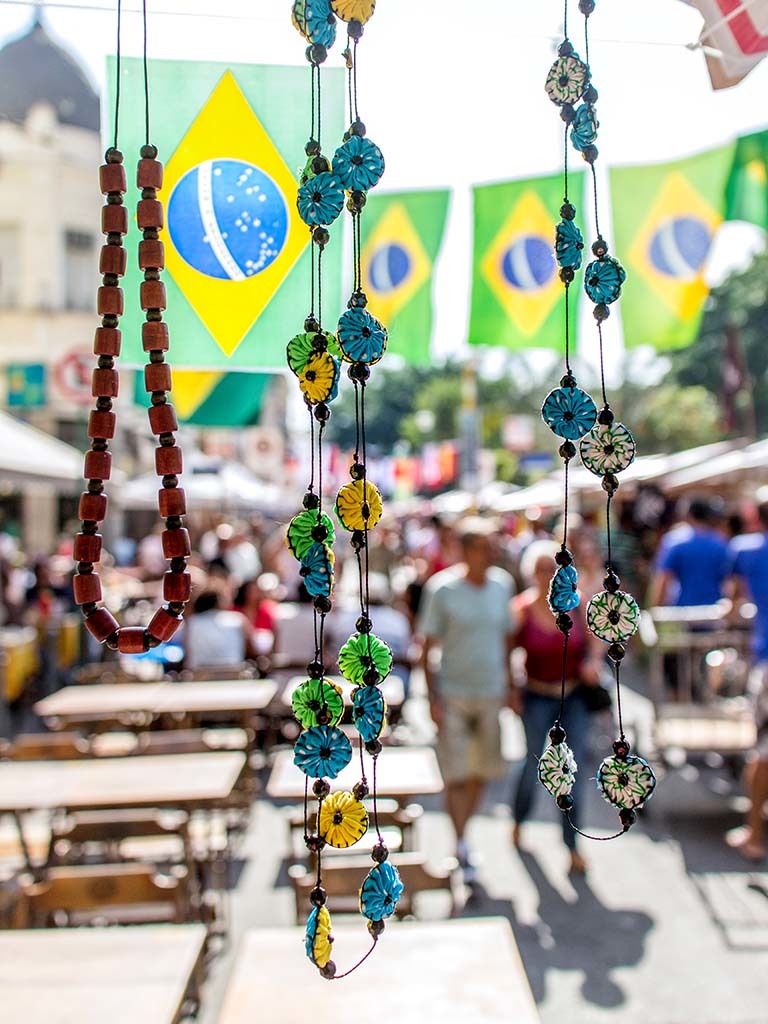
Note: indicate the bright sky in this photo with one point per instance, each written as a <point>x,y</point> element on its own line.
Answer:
<point>455,99</point>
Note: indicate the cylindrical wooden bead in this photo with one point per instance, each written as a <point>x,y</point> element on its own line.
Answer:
<point>101,424</point>
<point>154,334</point>
<point>152,294</point>
<point>157,377</point>
<point>107,341</point>
<point>92,506</point>
<point>114,220</point>
<point>101,625</point>
<point>149,173</point>
<point>168,461</point>
<point>177,586</point>
<point>112,178</point>
<point>110,300</point>
<point>176,543</point>
<point>87,589</point>
<point>172,501</point>
<point>87,548</point>
<point>113,260</point>
<point>162,419</point>
<point>105,383</point>
<point>131,640</point>
<point>98,466</point>
<point>151,254</point>
<point>163,625</point>
<point>149,213</point>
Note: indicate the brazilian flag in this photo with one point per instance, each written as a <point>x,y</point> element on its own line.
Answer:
<point>209,398</point>
<point>665,217</point>
<point>746,194</point>
<point>517,295</point>
<point>402,232</point>
<point>237,254</point>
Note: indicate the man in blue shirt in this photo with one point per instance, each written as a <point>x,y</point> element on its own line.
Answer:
<point>692,561</point>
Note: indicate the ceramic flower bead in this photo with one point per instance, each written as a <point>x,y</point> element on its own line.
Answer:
<point>613,618</point>
<point>358,164</point>
<point>584,127</point>
<point>569,412</point>
<point>320,200</point>
<point>603,280</point>
<point>358,505</point>
<point>369,711</point>
<point>626,782</point>
<point>380,892</point>
<point>557,769</point>
<point>317,570</point>
<point>361,652</point>
<point>315,20</point>
<point>361,337</point>
<point>568,245</point>
<point>301,348</point>
<point>316,699</point>
<point>607,449</point>
<point>354,10</point>
<point>319,378</point>
<point>563,590</point>
<point>343,820</point>
<point>322,751</point>
<point>318,939</point>
<point>303,532</point>
<point>566,80</point>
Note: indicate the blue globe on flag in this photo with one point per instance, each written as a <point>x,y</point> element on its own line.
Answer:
<point>228,219</point>
<point>390,266</point>
<point>679,247</point>
<point>529,263</point>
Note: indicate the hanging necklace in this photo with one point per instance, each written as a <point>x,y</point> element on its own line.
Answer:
<point>99,621</point>
<point>323,750</point>
<point>606,448</point>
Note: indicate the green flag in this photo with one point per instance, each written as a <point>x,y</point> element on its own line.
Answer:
<point>665,217</point>
<point>402,232</point>
<point>237,254</point>
<point>207,398</point>
<point>746,194</point>
<point>517,296</point>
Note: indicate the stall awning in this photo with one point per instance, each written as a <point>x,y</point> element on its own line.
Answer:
<point>29,455</point>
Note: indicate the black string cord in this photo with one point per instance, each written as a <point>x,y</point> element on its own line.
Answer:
<point>146,70</point>
<point>118,55</point>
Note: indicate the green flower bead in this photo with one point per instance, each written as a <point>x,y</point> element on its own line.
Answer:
<point>308,700</point>
<point>300,349</point>
<point>299,537</point>
<point>361,652</point>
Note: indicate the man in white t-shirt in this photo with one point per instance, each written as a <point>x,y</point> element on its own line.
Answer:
<point>466,613</point>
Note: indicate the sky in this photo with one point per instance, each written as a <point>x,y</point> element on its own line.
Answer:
<point>453,94</point>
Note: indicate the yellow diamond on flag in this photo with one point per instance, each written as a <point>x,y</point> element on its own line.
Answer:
<point>672,246</point>
<point>520,267</point>
<point>394,263</point>
<point>233,229</point>
<point>190,388</point>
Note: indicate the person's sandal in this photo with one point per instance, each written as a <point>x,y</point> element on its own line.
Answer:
<point>740,840</point>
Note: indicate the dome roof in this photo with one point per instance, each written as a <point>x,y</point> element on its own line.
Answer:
<point>33,69</point>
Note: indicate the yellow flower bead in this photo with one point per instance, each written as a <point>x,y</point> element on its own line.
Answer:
<point>351,503</point>
<point>321,945</point>
<point>318,377</point>
<point>343,820</point>
<point>353,10</point>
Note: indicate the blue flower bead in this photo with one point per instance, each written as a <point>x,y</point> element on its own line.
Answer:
<point>358,164</point>
<point>361,337</point>
<point>380,892</point>
<point>368,712</point>
<point>320,200</point>
<point>317,570</point>
<point>568,244</point>
<point>584,127</point>
<point>315,20</point>
<point>322,751</point>
<point>563,594</point>
<point>603,280</point>
<point>569,412</point>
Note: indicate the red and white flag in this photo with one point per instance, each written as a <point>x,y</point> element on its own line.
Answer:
<point>734,37</point>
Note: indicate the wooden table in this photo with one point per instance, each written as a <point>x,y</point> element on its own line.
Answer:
<point>392,688</point>
<point>454,972</point>
<point>402,773</point>
<point>93,975</point>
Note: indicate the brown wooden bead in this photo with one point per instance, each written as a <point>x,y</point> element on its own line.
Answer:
<point>157,377</point>
<point>92,506</point>
<point>177,586</point>
<point>87,589</point>
<point>149,173</point>
<point>149,213</point>
<point>113,260</point>
<point>152,295</point>
<point>168,461</point>
<point>163,625</point>
<point>151,254</point>
<point>105,383</point>
<point>154,335</point>
<point>112,178</point>
<point>162,419</point>
<point>176,543</point>
<point>107,341</point>
<point>101,424</point>
<point>172,501</point>
<point>101,624</point>
<point>131,640</point>
<point>114,220</point>
<point>98,466</point>
<point>110,300</point>
<point>87,548</point>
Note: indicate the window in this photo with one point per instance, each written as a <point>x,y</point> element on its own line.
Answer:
<point>80,270</point>
<point>9,266</point>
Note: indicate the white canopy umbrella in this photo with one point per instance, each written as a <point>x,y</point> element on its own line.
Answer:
<point>29,455</point>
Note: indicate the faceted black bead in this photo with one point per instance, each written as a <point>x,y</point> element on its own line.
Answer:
<point>355,29</point>
<point>601,312</point>
<point>320,237</point>
<point>319,533</point>
<point>373,747</point>
<point>600,248</point>
<point>310,500</point>
<point>371,676</point>
<point>360,790</point>
<point>318,896</point>
<point>565,49</point>
<point>357,540</point>
<point>379,853</point>
<point>357,128</point>
<point>356,201</point>
<point>627,817</point>
<point>322,412</point>
<point>357,470</point>
<point>321,788</point>
<point>315,670</point>
<point>323,604</point>
<point>312,148</point>
<point>568,381</point>
<point>564,557</point>
<point>565,802</point>
<point>567,211</point>
<point>148,151</point>
<point>311,325</point>
<point>567,113</point>
<point>316,53</point>
<point>329,971</point>
<point>616,652</point>
<point>314,843</point>
<point>590,153</point>
<point>319,342</point>
<point>590,94</point>
<point>363,624</point>
<point>567,450</point>
<point>376,928</point>
<point>621,748</point>
<point>610,483</point>
<point>359,372</point>
<point>566,274</point>
<point>111,641</point>
<point>113,156</point>
<point>611,582</point>
<point>605,417</point>
<point>564,622</point>
<point>357,300</point>
<point>556,734</point>
<point>586,7</point>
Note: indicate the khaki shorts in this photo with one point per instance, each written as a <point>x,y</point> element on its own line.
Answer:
<point>469,742</point>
